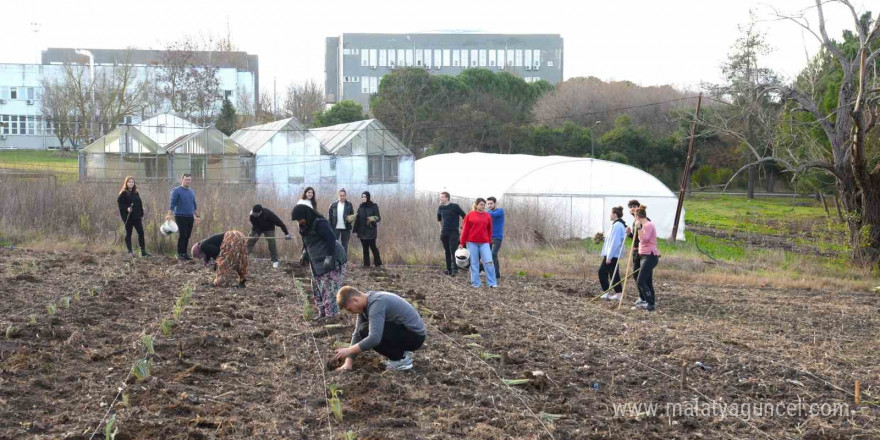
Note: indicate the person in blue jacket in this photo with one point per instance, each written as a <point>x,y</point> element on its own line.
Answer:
<point>497,215</point>
<point>183,208</point>
<point>611,251</point>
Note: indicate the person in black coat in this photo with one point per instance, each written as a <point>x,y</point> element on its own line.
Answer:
<point>263,222</point>
<point>327,259</point>
<point>131,209</point>
<point>366,227</point>
<point>340,219</point>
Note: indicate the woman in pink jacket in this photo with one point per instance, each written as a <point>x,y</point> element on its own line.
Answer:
<point>648,256</point>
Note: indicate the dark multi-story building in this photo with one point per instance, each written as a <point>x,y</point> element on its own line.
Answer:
<point>355,63</point>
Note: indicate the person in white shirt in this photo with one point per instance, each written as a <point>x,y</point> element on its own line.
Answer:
<point>609,272</point>
<point>340,213</point>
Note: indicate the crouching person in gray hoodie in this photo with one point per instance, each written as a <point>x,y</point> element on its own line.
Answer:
<point>385,323</point>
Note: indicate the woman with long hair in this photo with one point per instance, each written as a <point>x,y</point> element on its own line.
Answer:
<point>326,256</point>
<point>476,234</point>
<point>648,257</point>
<point>308,198</point>
<point>366,226</point>
<point>131,209</point>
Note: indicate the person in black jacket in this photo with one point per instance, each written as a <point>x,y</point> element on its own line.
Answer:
<point>448,214</point>
<point>366,227</point>
<point>229,251</point>
<point>327,259</point>
<point>263,222</point>
<point>131,209</point>
<point>340,218</point>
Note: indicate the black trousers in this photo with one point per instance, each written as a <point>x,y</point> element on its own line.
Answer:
<point>343,235</point>
<point>184,231</point>
<point>606,271</point>
<point>270,241</point>
<point>130,225</point>
<point>450,245</point>
<point>645,279</point>
<point>367,246</point>
<point>496,247</point>
<point>636,261</point>
<point>396,339</point>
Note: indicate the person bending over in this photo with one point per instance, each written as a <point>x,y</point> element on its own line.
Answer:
<point>229,251</point>
<point>263,222</point>
<point>386,323</point>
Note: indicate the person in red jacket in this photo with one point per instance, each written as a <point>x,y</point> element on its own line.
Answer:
<point>477,236</point>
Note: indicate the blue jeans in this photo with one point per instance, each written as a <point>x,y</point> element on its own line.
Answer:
<point>481,251</point>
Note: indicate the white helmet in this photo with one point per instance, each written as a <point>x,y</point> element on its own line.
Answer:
<point>462,258</point>
<point>168,228</point>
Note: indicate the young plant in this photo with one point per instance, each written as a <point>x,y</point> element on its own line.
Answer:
<point>65,302</point>
<point>9,331</point>
<point>351,435</point>
<point>33,319</point>
<point>125,401</point>
<point>486,355</point>
<point>308,309</point>
<point>76,296</point>
<point>337,344</point>
<point>186,294</point>
<point>110,430</point>
<point>515,381</point>
<point>335,403</point>
<point>148,343</point>
<point>51,309</point>
<point>166,327</point>
<point>93,291</point>
<point>176,312</point>
<point>473,336</point>
<point>547,417</point>
<point>141,369</point>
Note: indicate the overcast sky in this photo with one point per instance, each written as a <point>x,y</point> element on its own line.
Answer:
<point>650,42</point>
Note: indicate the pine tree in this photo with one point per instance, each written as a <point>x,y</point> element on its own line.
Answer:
<point>226,121</point>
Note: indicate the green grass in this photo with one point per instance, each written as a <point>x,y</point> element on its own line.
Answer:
<point>768,215</point>
<point>58,162</point>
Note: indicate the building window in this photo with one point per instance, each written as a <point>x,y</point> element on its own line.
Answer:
<point>549,63</point>
<point>501,57</point>
<point>528,58</point>
<point>374,84</point>
<point>447,58</point>
<point>374,57</point>
<point>419,58</point>
<point>383,58</point>
<point>456,61</point>
<point>474,57</point>
<point>227,94</point>
<point>438,57</point>
<point>482,58</point>
<point>382,169</point>
<point>355,79</point>
<point>518,57</point>
<point>365,84</point>
<point>401,57</point>
<point>13,93</point>
<point>492,58</point>
<point>4,124</point>
<point>464,57</point>
<point>510,57</point>
<point>392,59</point>
<point>160,128</point>
<point>536,58</point>
<point>428,58</point>
<point>365,58</point>
<point>409,58</point>
<point>31,93</point>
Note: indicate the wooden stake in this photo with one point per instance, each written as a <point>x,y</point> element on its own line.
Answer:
<point>858,392</point>
<point>628,266</point>
<point>687,169</point>
<point>683,375</point>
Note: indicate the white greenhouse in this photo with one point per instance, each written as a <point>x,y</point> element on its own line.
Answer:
<point>578,192</point>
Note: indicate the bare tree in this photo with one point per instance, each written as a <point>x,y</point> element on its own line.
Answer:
<point>264,111</point>
<point>58,111</point>
<point>846,126</point>
<point>303,101</point>
<point>189,77</point>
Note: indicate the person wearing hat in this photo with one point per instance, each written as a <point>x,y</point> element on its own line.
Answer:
<point>326,256</point>
<point>263,222</point>
<point>229,251</point>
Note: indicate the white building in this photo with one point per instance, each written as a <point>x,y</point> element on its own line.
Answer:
<point>358,156</point>
<point>21,119</point>
<point>575,193</point>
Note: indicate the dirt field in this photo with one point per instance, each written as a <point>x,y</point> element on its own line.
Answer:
<point>243,363</point>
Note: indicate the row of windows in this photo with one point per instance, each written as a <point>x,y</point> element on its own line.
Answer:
<point>382,169</point>
<point>531,79</point>
<point>528,58</point>
<point>21,124</point>
<point>29,93</point>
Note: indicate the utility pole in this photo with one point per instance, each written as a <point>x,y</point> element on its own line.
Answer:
<point>593,140</point>
<point>687,168</point>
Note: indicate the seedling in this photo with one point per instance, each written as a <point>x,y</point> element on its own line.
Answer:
<point>547,417</point>
<point>109,431</point>
<point>473,336</point>
<point>9,331</point>
<point>176,312</point>
<point>125,401</point>
<point>351,435</point>
<point>65,302</point>
<point>186,295</point>
<point>308,309</point>
<point>521,274</point>
<point>474,345</point>
<point>546,276</point>
<point>51,309</point>
<point>515,381</point>
<point>33,319</point>
<point>166,327</point>
<point>335,403</point>
<point>148,342</point>
<point>486,355</point>
<point>337,344</point>
<point>141,369</point>
<point>93,291</point>
<point>332,326</point>
<point>76,296</point>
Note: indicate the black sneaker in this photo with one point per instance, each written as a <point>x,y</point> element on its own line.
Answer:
<point>144,253</point>
<point>187,258</point>
<point>649,307</point>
